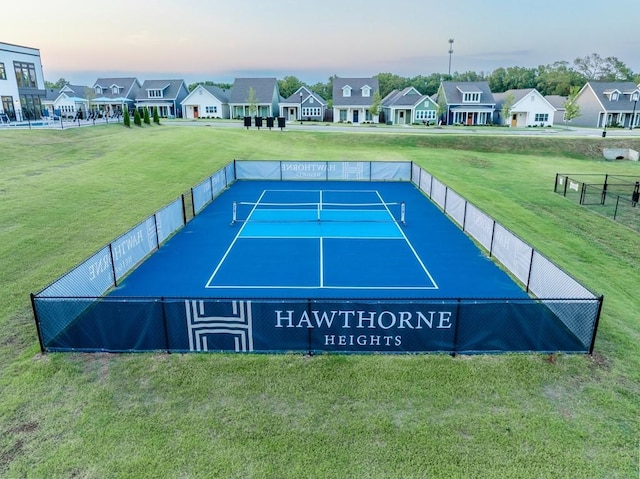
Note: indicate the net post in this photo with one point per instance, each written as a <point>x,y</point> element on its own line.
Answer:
<point>235,213</point>
<point>318,208</point>
<point>402,213</point>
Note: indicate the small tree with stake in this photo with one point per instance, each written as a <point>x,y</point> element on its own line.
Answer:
<point>126,119</point>
<point>156,118</point>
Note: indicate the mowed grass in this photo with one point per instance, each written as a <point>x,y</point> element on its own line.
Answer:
<point>64,194</point>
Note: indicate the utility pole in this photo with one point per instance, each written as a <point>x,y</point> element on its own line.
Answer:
<point>450,53</point>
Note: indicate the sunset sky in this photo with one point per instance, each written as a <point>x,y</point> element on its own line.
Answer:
<point>198,40</point>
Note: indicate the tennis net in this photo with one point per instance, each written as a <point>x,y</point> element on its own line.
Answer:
<point>299,212</point>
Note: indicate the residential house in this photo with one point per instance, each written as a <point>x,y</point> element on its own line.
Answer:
<point>305,105</point>
<point>353,99</point>
<point>466,103</point>
<point>22,87</point>
<point>254,97</point>
<point>71,102</point>
<point>526,107</point>
<point>404,107</point>
<point>558,102</point>
<point>206,101</point>
<point>604,104</point>
<point>111,95</point>
<point>165,95</point>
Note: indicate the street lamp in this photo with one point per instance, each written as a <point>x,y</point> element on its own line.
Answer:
<point>634,98</point>
<point>450,53</point>
<point>301,108</point>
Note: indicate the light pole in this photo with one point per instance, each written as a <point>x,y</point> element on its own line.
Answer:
<point>450,53</point>
<point>634,97</point>
<point>301,108</point>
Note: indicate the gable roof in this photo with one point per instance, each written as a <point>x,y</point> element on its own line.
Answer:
<point>129,87</point>
<point>306,94</point>
<point>356,85</point>
<point>453,91</point>
<point>557,101</point>
<point>602,89</point>
<point>170,89</point>
<point>518,96</point>
<point>222,95</point>
<point>407,97</point>
<point>264,90</point>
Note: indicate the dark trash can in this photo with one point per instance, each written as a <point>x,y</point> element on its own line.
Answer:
<point>247,121</point>
<point>258,121</point>
<point>281,122</point>
<point>269,122</point>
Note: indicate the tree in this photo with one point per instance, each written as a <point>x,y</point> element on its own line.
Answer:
<point>289,85</point>
<point>126,119</point>
<point>441,107</point>
<point>557,79</point>
<point>252,101</point>
<point>571,107</point>
<point>376,99</point>
<point>156,118</point>
<point>57,85</point>
<point>509,101</point>
<point>224,86</point>
<point>387,82</point>
<point>146,119</point>
<point>136,117</point>
<point>596,68</point>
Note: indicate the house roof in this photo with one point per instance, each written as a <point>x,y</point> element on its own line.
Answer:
<point>170,89</point>
<point>306,93</point>
<point>129,87</point>
<point>453,92</point>
<point>557,101</point>
<point>356,85</point>
<point>220,93</point>
<point>624,88</point>
<point>264,90</point>
<point>408,97</point>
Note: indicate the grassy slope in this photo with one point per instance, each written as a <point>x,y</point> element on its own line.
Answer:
<point>64,194</point>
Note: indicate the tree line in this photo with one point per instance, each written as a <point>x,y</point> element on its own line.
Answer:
<point>559,78</point>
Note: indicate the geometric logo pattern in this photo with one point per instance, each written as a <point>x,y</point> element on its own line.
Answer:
<point>203,328</point>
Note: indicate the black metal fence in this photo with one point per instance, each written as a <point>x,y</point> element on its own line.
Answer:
<point>613,196</point>
<point>74,313</point>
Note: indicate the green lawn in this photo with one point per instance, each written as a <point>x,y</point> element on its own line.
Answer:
<point>64,194</point>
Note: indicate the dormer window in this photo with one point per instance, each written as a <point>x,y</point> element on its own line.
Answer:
<point>155,93</point>
<point>346,90</point>
<point>98,90</point>
<point>614,96</point>
<point>471,97</point>
<point>366,91</point>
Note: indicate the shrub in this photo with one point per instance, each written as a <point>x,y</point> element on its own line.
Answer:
<point>136,118</point>
<point>145,117</point>
<point>126,119</point>
<point>156,118</point>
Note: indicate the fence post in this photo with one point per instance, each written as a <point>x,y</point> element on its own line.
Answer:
<point>455,332</point>
<point>566,181</point>
<point>35,317</point>
<point>582,193</point>
<point>166,329</point>
<point>595,325</point>
<point>113,265</point>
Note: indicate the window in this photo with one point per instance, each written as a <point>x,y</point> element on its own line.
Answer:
<point>471,97</point>
<point>542,117</point>
<point>211,109</point>
<point>3,73</point>
<point>366,91</point>
<point>368,116</point>
<point>311,111</point>
<point>98,90</point>
<point>614,96</point>
<point>25,74</point>
<point>115,90</point>
<point>425,115</point>
<point>346,90</point>
<point>155,93</point>
<point>343,115</point>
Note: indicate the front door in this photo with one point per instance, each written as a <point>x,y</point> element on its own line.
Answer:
<point>355,116</point>
<point>514,121</point>
<point>196,114</point>
<point>401,119</point>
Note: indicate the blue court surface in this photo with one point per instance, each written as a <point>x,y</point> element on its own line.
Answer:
<point>328,239</point>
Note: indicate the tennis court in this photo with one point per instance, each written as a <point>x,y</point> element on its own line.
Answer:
<point>317,257</point>
<point>320,240</point>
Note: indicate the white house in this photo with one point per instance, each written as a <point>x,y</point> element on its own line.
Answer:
<point>21,83</point>
<point>206,101</point>
<point>529,108</point>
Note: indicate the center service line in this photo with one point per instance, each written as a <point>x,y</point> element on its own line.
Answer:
<point>321,263</point>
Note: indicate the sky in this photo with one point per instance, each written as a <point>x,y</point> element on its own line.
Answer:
<point>219,40</point>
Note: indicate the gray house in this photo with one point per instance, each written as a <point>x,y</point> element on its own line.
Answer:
<point>254,97</point>
<point>166,95</point>
<point>608,104</point>
<point>352,99</point>
<point>467,103</point>
<point>557,101</point>
<point>111,95</point>
<point>305,105</point>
